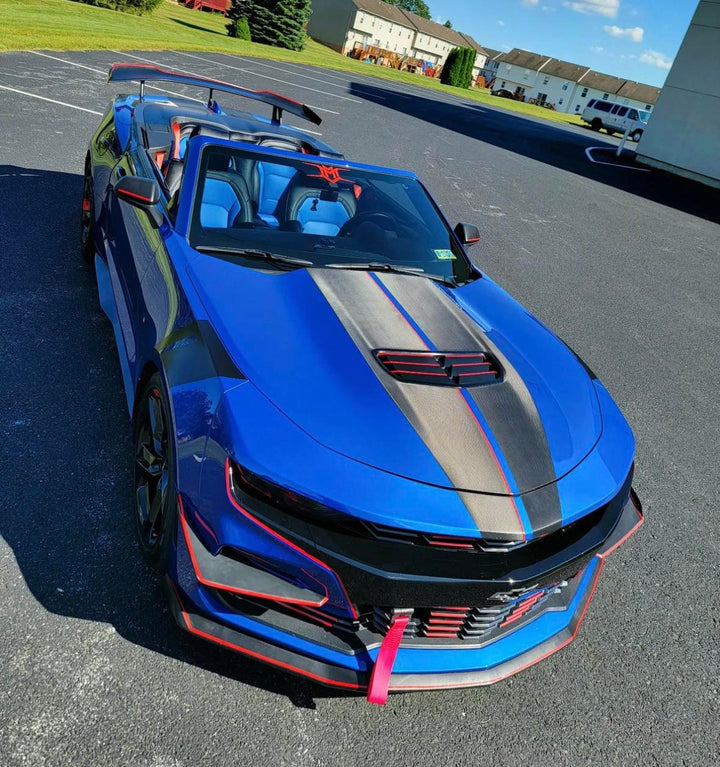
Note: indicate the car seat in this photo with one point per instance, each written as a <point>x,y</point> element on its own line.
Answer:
<point>305,204</point>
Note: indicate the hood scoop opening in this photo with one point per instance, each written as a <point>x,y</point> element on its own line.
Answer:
<point>459,369</point>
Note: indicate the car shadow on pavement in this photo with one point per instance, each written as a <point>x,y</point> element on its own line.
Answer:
<point>67,513</point>
<point>545,142</point>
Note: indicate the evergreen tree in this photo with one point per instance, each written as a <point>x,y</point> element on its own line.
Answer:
<point>448,24</point>
<point>279,22</point>
<point>457,70</point>
<point>239,18</point>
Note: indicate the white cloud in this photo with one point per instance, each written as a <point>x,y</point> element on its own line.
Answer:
<point>656,59</point>
<point>501,23</point>
<point>607,8</point>
<point>636,34</point>
<point>597,49</point>
<point>530,2</point>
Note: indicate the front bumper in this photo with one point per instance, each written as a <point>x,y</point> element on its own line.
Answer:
<point>346,659</point>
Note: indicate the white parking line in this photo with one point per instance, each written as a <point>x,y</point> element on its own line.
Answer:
<point>227,66</point>
<point>267,77</point>
<point>588,152</point>
<point>104,73</point>
<point>52,101</point>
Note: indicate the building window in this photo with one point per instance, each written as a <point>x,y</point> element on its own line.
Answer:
<point>509,68</point>
<point>605,95</point>
<point>391,28</point>
<point>546,80</point>
<point>362,19</point>
<point>565,87</point>
<point>526,74</point>
<point>560,101</point>
<point>584,93</point>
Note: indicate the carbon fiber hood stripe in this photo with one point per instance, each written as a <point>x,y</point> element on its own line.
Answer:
<point>457,425</point>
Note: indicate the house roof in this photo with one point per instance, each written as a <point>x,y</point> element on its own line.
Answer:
<point>492,53</point>
<point>564,69</point>
<point>601,82</point>
<point>639,92</point>
<point>433,29</point>
<point>472,43</point>
<point>384,11</point>
<point>525,59</point>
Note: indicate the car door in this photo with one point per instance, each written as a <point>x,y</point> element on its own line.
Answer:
<point>621,117</point>
<point>132,239</point>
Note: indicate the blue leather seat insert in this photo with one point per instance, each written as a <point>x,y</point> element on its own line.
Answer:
<point>321,217</point>
<point>220,205</point>
<point>274,180</point>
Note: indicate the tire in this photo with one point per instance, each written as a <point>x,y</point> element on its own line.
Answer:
<point>636,136</point>
<point>596,123</point>
<point>87,218</point>
<point>156,512</point>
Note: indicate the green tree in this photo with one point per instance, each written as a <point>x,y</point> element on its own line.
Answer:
<point>457,70</point>
<point>238,14</point>
<point>414,6</point>
<point>448,24</point>
<point>131,6</point>
<point>279,22</point>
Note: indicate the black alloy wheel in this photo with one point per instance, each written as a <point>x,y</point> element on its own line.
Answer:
<point>637,135</point>
<point>87,219</point>
<point>155,494</point>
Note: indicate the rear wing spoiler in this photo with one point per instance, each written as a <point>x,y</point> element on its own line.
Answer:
<point>149,72</point>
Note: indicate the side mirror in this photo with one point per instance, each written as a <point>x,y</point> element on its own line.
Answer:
<point>142,193</point>
<point>468,234</point>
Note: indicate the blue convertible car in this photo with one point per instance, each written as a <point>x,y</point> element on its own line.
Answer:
<point>357,458</point>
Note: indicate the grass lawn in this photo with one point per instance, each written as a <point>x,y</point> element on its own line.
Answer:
<point>66,25</point>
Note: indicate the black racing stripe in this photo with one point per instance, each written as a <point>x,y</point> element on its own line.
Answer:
<point>507,407</point>
<point>438,414</point>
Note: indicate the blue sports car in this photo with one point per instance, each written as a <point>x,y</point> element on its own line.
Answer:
<point>357,458</point>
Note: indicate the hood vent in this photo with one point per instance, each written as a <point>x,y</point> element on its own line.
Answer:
<point>441,368</point>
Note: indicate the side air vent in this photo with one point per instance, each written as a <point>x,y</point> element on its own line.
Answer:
<point>441,368</point>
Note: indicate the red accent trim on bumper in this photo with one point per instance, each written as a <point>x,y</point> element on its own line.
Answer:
<point>225,587</point>
<point>272,532</point>
<point>259,656</point>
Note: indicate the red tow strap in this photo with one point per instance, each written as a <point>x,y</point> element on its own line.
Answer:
<point>380,677</point>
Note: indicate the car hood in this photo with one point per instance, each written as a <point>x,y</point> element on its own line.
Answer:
<point>306,339</point>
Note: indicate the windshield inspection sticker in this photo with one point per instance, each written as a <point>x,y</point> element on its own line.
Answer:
<point>445,255</point>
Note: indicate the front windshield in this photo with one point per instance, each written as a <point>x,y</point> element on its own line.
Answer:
<point>324,214</point>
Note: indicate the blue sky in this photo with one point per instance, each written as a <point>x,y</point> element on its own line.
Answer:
<point>635,39</point>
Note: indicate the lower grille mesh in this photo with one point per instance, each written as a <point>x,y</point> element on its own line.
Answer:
<point>503,609</point>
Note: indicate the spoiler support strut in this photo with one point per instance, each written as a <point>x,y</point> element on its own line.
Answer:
<point>149,72</point>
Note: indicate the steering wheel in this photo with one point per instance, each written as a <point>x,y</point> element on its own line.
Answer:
<point>383,220</point>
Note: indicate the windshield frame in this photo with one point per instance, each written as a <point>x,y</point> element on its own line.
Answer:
<point>193,165</point>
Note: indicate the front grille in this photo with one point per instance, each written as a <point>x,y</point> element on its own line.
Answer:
<point>470,623</point>
<point>441,368</point>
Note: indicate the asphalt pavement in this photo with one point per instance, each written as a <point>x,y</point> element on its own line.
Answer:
<point>624,265</point>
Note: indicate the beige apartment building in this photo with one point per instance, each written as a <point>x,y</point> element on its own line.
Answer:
<point>341,24</point>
